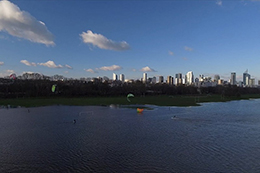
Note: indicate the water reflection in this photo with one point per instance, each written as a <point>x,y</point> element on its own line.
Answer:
<point>216,137</point>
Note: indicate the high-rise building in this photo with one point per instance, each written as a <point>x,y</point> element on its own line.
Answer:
<point>216,78</point>
<point>144,77</point>
<point>122,77</point>
<point>160,79</point>
<point>251,82</point>
<point>220,82</point>
<point>189,78</point>
<point>154,80</point>
<point>170,80</point>
<point>233,78</point>
<point>178,79</point>
<point>114,76</point>
<point>246,78</point>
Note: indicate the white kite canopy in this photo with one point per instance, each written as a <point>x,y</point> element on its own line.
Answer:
<point>128,96</point>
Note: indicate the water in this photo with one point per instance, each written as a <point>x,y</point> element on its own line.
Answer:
<point>215,137</point>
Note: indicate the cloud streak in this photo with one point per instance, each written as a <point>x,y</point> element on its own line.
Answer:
<point>219,3</point>
<point>50,64</point>
<point>147,69</point>
<point>104,68</point>
<point>111,68</point>
<point>69,67</point>
<point>1,63</point>
<point>188,48</point>
<point>102,42</point>
<point>91,70</point>
<point>21,24</point>
<point>28,63</point>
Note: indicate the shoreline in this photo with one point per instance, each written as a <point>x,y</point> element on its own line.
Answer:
<point>161,100</point>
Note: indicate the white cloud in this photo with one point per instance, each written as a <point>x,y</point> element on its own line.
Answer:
<point>104,68</point>
<point>6,73</point>
<point>102,42</point>
<point>91,71</point>
<point>10,71</point>
<point>111,68</point>
<point>219,3</point>
<point>28,72</point>
<point>50,64</point>
<point>171,53</point>
<point>188,48</point>
<point>1,63</point>
<point>21,24</point>
<point>147,69</point>
<point>67,66</point>
<point>28,63</point>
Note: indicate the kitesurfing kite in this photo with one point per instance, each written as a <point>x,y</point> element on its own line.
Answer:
<point>12,76</point>
<point>139,110</point>
<point>53,88</point>
<point>128,96</point>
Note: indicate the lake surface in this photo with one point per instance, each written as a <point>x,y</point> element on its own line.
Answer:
<point>215,137</point>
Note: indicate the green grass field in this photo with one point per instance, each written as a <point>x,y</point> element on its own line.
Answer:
<point>152,100</point>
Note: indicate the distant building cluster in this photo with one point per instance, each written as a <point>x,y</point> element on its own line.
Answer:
<point>179,79</point>
<point>203,81</point>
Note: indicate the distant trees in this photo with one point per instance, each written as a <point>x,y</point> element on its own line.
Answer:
<point>76,88</point>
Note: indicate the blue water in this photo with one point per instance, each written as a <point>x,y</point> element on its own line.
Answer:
<point>215,137</point>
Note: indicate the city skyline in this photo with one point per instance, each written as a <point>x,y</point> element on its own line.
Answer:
<point>188,79</point>
<point>90,39</point>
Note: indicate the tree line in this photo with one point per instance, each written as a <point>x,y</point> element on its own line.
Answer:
<point>75,88</point>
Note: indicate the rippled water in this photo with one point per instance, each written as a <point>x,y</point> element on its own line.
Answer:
<point>215,137</point>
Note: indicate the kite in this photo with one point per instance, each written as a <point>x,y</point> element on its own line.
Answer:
<point>12,76</point>
<point>139,110</point>
<point>128,96</point>
<point>53,88</point>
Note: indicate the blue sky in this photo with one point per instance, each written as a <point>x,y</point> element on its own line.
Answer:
<point>98,38</point>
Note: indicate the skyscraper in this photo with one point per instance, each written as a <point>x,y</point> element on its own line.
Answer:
<point>114,76</point>
<point>144,77</point>
<point>189,78</point>
<point>246,78</point>
<point>251,82</point>
<point>233,78</point>
<point>216,78</point>
<point>178,78</point>
<point>170,80</point>
<point>122,77</point>
<point>154,80</point>
<point>160,79</point>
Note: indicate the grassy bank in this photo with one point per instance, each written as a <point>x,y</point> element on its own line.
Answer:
<point>153,100</point>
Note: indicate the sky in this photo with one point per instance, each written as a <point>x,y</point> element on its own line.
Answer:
<point>95,38</point>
